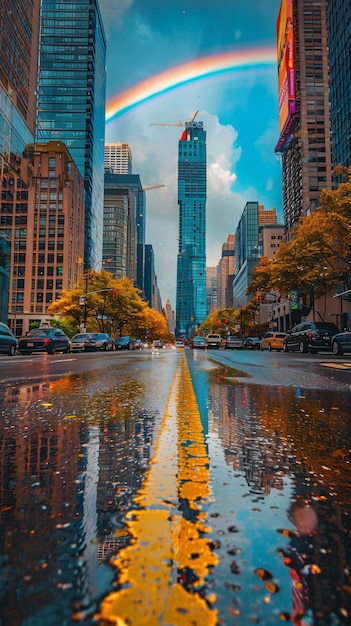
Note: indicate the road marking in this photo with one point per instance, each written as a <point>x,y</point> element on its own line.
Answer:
<point>162,570</point>
<point>63,361</point>
<point>337,366</point>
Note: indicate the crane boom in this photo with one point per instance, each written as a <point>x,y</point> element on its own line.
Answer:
<point>152,187</point>
<point>174,123</point>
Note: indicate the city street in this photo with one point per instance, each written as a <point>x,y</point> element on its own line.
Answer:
<point>175,487</point>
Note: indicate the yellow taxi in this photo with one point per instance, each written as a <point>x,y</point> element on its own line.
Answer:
<point>272,341</point>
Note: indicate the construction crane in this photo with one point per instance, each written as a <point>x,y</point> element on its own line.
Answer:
<point>152,187</point>
<point>174,123</point>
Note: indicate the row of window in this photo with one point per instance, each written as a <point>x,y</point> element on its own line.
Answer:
<point>41,258</point>
<point>18,283</point>
<point>10,207</point>
<point>39,297</point>
<point>9,194</point>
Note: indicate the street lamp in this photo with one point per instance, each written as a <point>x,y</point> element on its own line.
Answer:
<point>84,299</point>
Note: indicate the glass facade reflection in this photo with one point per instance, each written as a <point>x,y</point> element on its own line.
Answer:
<point>71,100</point>
<point>247,252</point>
<point>191,267</point>
<point>339,29</point>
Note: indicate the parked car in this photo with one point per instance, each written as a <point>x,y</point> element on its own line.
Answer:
<point>272,341</point>
<point>124,343</point>
<point>8,341</point>
<point>214,340</point>
<point>233,342</point>
<point>98,341</point>
<point>48,340</point>
<point>341,342</point>
<point>251,343</point>
<point>138,344</point>
<point>78,342</point>
<point>199,342</point>
<point>310,337</point>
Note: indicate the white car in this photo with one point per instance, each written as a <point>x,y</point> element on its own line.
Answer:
<point>179,344</point>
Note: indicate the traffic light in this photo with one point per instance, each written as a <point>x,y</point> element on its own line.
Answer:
<point>114,294</point>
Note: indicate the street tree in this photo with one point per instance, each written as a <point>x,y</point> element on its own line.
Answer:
<point>102,303</point>
<point>153,325</point>
<point>261,277</point>
<point>318,257</point>
<point>221,321</point>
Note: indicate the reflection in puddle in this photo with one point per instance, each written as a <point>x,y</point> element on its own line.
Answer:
<point>271,505</point>
<point>71,460</point>
<point>287,495</point>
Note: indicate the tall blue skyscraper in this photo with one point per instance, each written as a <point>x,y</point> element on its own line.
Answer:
<point>339,34</point>
<point>191,267</point>
<point>71,100</point>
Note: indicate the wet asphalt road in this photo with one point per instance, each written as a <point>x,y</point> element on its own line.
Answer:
<point>175,487</point>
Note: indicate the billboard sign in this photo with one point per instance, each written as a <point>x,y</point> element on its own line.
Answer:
<point>293,296</point>
<point>286,67</point>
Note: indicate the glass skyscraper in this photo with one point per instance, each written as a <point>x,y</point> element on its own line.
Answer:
<point>247,252</point>
<point>191,266</point>
<point>339,33</point>
<point>71,100</point>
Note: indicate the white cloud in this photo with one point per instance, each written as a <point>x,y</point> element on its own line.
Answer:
<point>155,159</point>
<point>112,12</point>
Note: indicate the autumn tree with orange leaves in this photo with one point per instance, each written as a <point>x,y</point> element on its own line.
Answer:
<point>318,256</point>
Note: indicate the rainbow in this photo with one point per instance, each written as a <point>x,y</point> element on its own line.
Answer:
<point>186,73</point>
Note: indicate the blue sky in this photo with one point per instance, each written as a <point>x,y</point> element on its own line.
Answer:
<point>239,109</point>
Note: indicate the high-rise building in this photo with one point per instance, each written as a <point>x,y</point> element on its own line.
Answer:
<point>191,265</point>
<point>211,289</point>
<point>18,73</point>
<point>304,122</point>
<point>226,274</point>
<point>71,100</point>
<point>270,237</point>
<point>48,238</point>
<point>247,253</point>
<point>118,158</point>
<point>170,316</point>
<point>18,78</point>
<point>339,36</point>
<point>254,231</point>
<point>132,182</point>
<point>152,293</point>
<point>120,230</point>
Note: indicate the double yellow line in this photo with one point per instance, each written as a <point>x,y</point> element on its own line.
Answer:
<point>163,568</point>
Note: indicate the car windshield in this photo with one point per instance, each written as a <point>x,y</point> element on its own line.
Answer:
<point>40,332</point>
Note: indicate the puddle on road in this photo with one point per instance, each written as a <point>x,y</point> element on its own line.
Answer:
<point>74,457</point>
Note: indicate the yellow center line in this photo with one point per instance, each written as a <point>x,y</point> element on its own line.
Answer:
<point>337,366</point>
<point>163,568</point>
